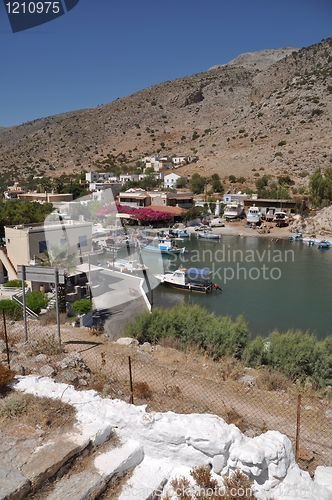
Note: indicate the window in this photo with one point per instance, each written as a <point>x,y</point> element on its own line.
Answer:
<point>42,246</point>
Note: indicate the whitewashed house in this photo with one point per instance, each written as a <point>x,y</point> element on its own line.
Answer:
<point>170,180</point>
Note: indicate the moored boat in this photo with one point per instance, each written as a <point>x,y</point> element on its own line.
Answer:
<point>324,244</point>
<point>163,246</point>
<point>180,233</point>
<point>208,235</point>
<point>295,237</point>
<point>193,279</point>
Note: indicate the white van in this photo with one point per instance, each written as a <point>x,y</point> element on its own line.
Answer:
<point>217,222</point>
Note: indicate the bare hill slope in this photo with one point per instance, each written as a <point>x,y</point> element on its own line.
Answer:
<point>269,110</point>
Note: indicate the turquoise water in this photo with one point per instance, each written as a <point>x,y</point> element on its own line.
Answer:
<point>292,291</point>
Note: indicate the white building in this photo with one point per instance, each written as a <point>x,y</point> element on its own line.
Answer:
<point>157,163</point>
<point>170,180</point>
<point>129,178</point>
<point>100,177</point>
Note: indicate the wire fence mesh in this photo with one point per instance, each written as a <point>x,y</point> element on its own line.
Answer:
<point>166,379</point>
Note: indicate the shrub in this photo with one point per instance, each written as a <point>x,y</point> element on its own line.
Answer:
<point>13,284</point>
<point>11,308</point>
<point>322,363</point>
<point>6,376</point>
<point>254,353</point>
<point>36,301</point>
<point>12,407</point>
<point>292,353</point>
<point>192,325</point>
<point>316,112</point>
<point>82,306</point>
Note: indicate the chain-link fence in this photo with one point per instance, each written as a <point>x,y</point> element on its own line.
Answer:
<point>166,379</point>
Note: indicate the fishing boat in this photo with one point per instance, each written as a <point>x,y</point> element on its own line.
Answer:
<point>163,246</point>
<point>253,215</point>
<point>208,235</point>
<point>233,210</point>
<point>193,279</point>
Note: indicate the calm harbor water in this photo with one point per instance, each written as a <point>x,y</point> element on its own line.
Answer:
<point>275,285</point>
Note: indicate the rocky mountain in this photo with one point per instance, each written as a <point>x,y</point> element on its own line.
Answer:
<point>266,112</point>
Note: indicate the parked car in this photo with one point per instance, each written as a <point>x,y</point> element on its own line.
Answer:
<point>217,223</point>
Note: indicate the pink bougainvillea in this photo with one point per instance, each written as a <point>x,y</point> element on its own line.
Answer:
<point>141,214</point>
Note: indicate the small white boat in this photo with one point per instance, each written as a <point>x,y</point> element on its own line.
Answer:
<point>163,246</point>
<point>233,210</point>
<point>193,280</point>
<point>253,215</point>
<point>207,235</point>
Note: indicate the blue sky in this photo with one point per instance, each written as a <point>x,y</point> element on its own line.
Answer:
<point>105,49</point>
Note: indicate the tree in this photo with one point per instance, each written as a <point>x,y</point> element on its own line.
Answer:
<point>321,185</point>
<point>181,183</point>
<point>216,185</point>
<point>197,183</point>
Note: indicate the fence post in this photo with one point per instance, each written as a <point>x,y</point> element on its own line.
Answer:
<point>56,280</point>
<point>298,419</point>
<point>131,399</point>
<point>6,338</point>
<point>24,304</point>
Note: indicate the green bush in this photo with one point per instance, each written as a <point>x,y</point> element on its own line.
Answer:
<point>13,284</point>
<point>12,309</point>
<point>36,301</point>
<point>255,354</point>
<point>192,325</point>
<point>322,363</point>
<point>292,353</point>
<point>82,306</point>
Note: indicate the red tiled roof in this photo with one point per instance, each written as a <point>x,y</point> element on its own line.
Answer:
<point>170,210</point>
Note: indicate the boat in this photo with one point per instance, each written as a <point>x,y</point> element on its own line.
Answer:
<point>233,210</point>
<point>310,241</point>
<point>280,218</point>
<point>180,233</point>
<point>208,235</point>
<point>269,215</point>
<point>295,237</point>
<point>193,279</point>
<point>253,215</point>
<point>127,266</point>
<point>324,244</point>
<point>163,246</point>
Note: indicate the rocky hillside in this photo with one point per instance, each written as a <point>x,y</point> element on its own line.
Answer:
<point>269,111</point>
